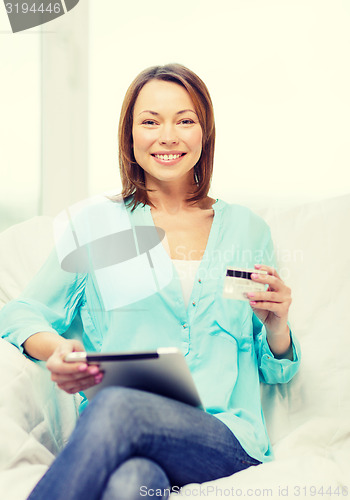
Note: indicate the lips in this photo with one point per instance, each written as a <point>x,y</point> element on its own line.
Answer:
<point>174,152</point>
<point>168,157</point>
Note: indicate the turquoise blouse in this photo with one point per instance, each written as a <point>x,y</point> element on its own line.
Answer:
<point>132,300</point>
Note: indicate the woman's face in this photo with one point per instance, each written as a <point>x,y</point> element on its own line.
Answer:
<point>167,136</point>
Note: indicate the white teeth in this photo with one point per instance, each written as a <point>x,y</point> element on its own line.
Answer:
<point>167,157</point>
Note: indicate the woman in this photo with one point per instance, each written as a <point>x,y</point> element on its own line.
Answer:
<point>127,443</point>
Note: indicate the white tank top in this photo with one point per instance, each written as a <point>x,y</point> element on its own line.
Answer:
<point>187,270</point>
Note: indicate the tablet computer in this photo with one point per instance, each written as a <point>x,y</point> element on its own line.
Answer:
<point>163,371</point>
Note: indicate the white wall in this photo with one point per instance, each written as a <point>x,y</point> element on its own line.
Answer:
<point>278,74</point>
<point>20,131</point>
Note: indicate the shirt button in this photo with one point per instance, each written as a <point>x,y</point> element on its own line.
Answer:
<point>199,281</point>
<point>184,325</point>
<point>193,303</point>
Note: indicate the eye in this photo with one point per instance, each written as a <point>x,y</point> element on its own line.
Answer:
<point>149,122</point>
<point>187,121</point>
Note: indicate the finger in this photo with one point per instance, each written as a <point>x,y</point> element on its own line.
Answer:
<point>266,306</point>
<point>59,377</point>
<point>266,296</point>
<point>73,387</point>
<point>69,383</point>
<point>278,309</point>
<point>56,365</point>
<point>275,283</point>
<point>87,382</point>
<point>270,270</point>
<point>56,362</point>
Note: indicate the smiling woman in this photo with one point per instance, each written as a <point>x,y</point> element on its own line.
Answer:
<point>179,138</point>
<point>185,126</point>
<point>128,439</point>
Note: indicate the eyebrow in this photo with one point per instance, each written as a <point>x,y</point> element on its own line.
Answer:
<point>154,113</point>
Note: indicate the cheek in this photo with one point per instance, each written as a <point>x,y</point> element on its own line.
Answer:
<point>142,140</point>
<point>195,139</point>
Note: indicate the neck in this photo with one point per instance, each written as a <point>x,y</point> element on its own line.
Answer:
<point>170,197</point>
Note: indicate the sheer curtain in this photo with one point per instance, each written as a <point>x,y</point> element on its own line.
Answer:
<point>44,116</point>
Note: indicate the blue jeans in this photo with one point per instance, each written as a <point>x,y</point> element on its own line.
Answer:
<point>129,443</point>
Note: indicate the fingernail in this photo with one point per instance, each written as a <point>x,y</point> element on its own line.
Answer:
<point>251,294</point>
<point>98,378</point>
<point>252,303</point>
<point>82,368</point>
<point>254,275</point>
<point>93,370</point>
<point>258,266</point>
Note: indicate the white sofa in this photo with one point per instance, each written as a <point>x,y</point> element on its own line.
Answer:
<point>308,419</point>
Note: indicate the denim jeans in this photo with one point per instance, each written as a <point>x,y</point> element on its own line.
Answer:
<point>129,443</point>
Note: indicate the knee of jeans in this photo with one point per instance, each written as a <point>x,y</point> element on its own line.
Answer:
<point>145,467</point>
<point>141,472</point>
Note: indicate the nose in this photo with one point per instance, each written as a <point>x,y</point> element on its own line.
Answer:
<point>168,135</point>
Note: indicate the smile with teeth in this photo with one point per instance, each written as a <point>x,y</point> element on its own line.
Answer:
<point>168,157</point>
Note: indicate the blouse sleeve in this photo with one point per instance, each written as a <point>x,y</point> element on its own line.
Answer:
<point>49,303</point>
<point>273,370</point>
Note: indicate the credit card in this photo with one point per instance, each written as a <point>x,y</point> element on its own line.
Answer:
<point>238,283</point>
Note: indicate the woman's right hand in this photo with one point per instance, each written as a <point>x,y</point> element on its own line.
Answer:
<point>72,377</point>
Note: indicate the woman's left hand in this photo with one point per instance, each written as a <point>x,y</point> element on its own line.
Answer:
<point>271,306</point>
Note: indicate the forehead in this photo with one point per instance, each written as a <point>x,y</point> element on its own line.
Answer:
<point>158,95</point>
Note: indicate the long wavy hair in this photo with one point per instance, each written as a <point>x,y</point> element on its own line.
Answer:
<point>132,175</point>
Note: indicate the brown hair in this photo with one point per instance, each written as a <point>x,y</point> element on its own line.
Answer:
<point>132,175</point>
